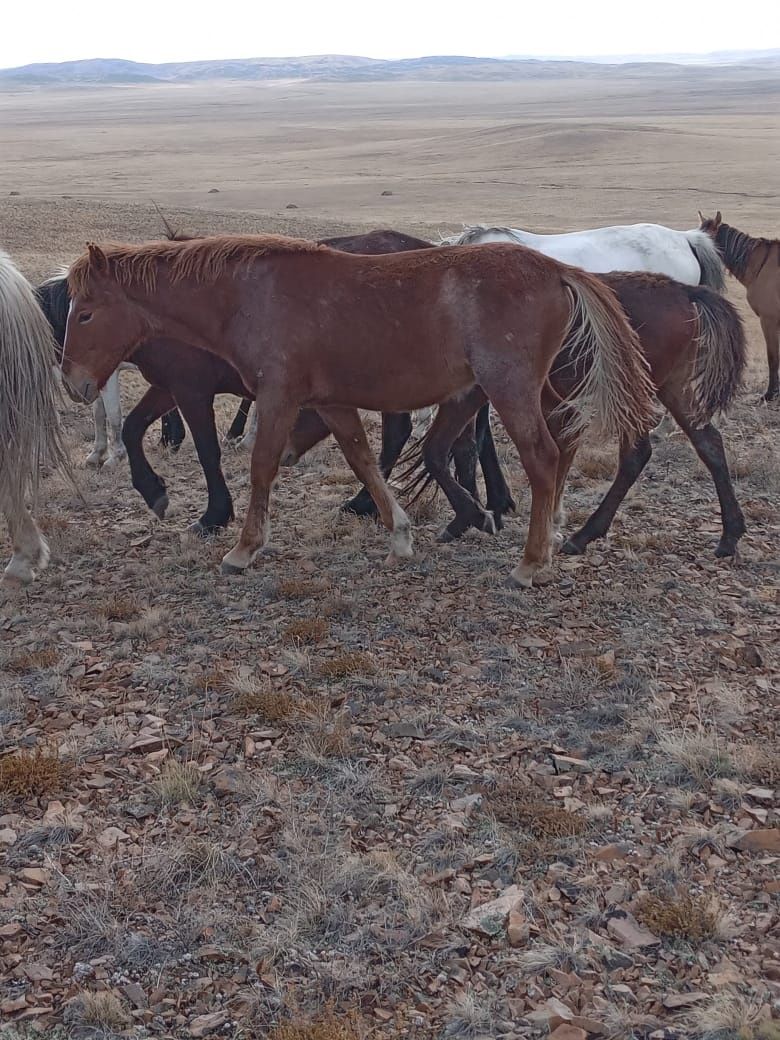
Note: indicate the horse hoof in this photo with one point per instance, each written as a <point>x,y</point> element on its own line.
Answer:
<point>724,551</point>
<point>160,506</point>
<point>358,508</point>
<point>522,580</point>
<point>571,548</point>
<point>230,569</point>
<point>93,461</point>
<point>489,523</point>
<point>447,536</point>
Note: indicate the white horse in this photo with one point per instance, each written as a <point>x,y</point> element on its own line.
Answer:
<point>30,432</point>
<point>689,257</point>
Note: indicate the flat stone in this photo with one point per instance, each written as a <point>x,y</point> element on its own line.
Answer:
<point>627,930</point>
<point>205,1025</point>
<point>763,839</point>
<point>489,918</point>
<point>681,1000</point>
<point>567,764</point>
<point>568,1032</point>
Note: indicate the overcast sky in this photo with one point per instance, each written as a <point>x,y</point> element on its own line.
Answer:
<point>172,30</point>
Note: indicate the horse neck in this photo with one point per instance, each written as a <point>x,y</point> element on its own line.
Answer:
<point>737,248</point>
<point>181,310</point>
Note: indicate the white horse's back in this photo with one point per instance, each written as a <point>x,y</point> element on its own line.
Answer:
<point>686,256</point>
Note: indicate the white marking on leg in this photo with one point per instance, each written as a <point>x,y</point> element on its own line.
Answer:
<point>247,442</point>
<point>401,537</point>
<point>113,406</point>
<point>95,458</point>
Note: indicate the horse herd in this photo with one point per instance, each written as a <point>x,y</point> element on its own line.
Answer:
<point>555,332</point>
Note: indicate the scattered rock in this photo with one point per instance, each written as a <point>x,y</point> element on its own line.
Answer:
<point>763,839</point>
<point>204,1025</point>
<point>615,960</point>
<point>517,928</point>
<point>387,192</point>
<point>489,918</point>
<point>213,191</point>
<point>231,780</point>
<point>567,1031</point>
<point>291,205</point>
<point>627,930</point>
<point>567,764</point>
<point>673,1001</point>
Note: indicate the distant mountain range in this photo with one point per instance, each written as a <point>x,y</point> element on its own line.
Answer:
<point>350,69</point>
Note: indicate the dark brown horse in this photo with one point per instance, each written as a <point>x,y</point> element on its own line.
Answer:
<point>295,318</point>
<point>755,262</point>
<point>694,342</point>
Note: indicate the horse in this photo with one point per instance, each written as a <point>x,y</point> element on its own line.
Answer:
<point>190,378</point>
<point>30,432</point>
<point>106,451</point>
<point>755,262</point>
<point>293,318</point>
<point>687,256</point>
<point>694,342</point>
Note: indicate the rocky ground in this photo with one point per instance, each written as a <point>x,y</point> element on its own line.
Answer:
<point>330,800</point>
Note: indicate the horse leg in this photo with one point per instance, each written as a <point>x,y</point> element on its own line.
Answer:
<point>454,423</point>
<point>113,405</point>
<point>238,425</point>
<point>198,412</point>
<point>396,431</point>
<point>310,429</point>
<point>709,447</point>
<point>95,458</point>
<point>771,329</point>
<point>151,487</point>
<point>524,421</point>
<point>559,417</point>
<point>276,416</point>
<point>173,431</point>
<point>497,493</point>
<point>348,430</point>
<point>247,442</point>
<point>30,551</point>
<point>633,459</point>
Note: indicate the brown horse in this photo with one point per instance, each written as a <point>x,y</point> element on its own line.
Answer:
<point>295,319</point>
<point>755,262</point>
<point>694,342</point>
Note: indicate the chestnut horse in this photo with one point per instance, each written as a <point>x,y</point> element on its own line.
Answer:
<point>191,378</point>
<point>694,341</point>
<point>294,319</point>
<point>755,262</point>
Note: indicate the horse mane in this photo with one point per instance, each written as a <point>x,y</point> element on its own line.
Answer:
<point>203,260</point>
<point>737,247</point>
<point>471,232</point>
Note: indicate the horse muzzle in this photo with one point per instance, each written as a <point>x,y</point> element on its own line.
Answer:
<point>79,386</point>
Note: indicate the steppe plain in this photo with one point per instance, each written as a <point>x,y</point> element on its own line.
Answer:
<point>231,807</point>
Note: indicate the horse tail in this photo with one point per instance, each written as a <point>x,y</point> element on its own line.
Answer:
<point>615,390</point>
<point>721,354</point>
<point>30,432</point>
<point>710,264</point>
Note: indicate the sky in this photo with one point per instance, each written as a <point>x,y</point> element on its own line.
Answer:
<point>183,30</point>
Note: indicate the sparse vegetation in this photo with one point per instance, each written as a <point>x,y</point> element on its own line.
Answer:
<point>346,664</point>
<point>31,661</point>
<point>681,915</point>
<point>179,783</point>
<point>306,630</point>
<point>513,805</point>
<point>32,773</point>
<point>328,1024</point>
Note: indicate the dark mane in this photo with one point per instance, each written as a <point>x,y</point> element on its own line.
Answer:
<point>737,248</point>
<point>202,259</point>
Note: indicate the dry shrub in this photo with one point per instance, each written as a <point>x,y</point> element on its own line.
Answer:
<point>698,755</point>
<point>347,663</point>
<point>306,630</point>
<point>193,863</point>
<point>598,465</point>
<point>301,588</point>
<point>329,1024</point>
<point>179,783</point>
<point>220,678</point>
<point>673,915</point>
<point>515,807</point>
<point>326,738</point>
<point>119,608</point>
<point>31,773</point>
<point>275,705</point>
<point>31,661</point>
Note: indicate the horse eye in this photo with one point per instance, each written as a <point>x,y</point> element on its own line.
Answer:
<point>85,317</point>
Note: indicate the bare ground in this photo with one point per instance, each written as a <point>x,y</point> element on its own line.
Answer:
<point>233,804</point>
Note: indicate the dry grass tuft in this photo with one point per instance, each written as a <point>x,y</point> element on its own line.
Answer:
<point>276,705</point>
<point>327,1025</point>
<point>698,755</point>
<point>347,663</point>
<point>596,464</point>
<point>119,608</point>
<point>179,783</point>
<point>220,678</point>
<point>306,630</point>
<point>31,661</point>
<point>731,1016</point>
<point>101,1010</point>
<point>327,738</point>
<point>194,863</point>
<point>31,773</point>
<point>672,915</point>
<point>512,805</point>
<point>541,957</point>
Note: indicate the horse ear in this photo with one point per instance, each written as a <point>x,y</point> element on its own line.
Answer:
<point>701,216</point>
<point>97,258</point>
<point>718,218</point>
